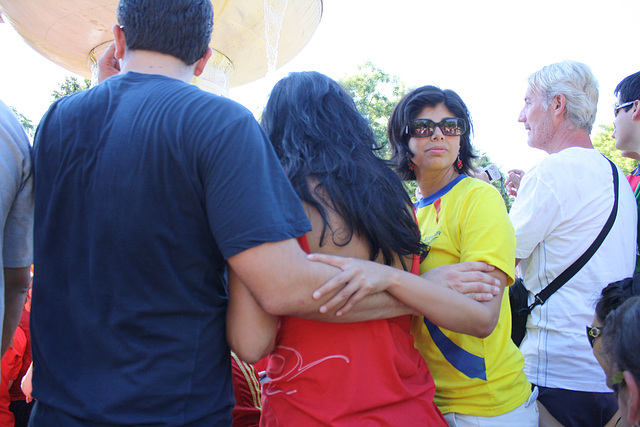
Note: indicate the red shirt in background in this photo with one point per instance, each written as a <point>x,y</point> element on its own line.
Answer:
<point>9,369</point>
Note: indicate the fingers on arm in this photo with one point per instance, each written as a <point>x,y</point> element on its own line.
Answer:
<point>473,266</point>
<point>336,281</point>
<point>353,291</point>
<point>479,289</point>
<point>466,277</point>
<point>352,282</point>
<point>480,297</point>
<point>359,279</point>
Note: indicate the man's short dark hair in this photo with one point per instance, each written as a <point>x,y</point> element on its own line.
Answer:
<point>628,89</point>
<point>180,28</point>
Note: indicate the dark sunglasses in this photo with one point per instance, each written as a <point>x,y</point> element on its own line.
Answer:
<point>422,128</point>
<point>617,107</point>
<point>593,332</point>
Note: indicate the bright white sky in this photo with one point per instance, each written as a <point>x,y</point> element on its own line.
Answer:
<point>498,44</point>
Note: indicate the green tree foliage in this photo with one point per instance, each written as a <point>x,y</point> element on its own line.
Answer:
<point>375,94</point>
<point>70,86</point>
<point>28,126</point>
<point>604,142</point>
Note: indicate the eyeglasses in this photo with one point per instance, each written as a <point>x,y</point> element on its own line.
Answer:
<point>593,332</point>
<point>423,128</point>
<point>617,381</point>
<point>617,107</point>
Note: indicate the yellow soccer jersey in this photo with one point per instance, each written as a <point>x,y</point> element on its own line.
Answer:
<point>467,221</point>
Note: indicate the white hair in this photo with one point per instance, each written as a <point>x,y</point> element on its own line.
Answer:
<point>577,83</point>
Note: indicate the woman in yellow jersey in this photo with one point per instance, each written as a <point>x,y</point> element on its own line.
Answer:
<point>479,379</point>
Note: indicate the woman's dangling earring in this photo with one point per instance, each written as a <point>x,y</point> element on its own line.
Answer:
<point>459,163</point>
<point>411,165</point>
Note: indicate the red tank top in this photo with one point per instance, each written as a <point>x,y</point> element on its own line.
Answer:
<point>364,374</point>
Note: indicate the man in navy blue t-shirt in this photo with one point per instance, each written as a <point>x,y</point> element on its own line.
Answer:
<point>146,188</point>
<point>142,186</point>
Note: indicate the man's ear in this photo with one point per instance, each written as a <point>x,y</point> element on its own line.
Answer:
<point>200,64</point>
<point>636,110</point>
<point>633,397</point>
<point>559,104</point>
<point>121,44</point>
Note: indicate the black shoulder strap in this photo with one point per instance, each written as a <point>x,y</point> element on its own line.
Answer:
<point>566,275</point>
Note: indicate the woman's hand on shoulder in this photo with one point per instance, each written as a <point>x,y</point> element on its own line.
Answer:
<point>469,278</point>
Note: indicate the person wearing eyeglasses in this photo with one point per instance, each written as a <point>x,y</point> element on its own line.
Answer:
<point>478,379</point>
<point>612,297</point>
<point>478,372</point>
<point>620,348</point>
<point>563,204</point>
<point>626,130</point>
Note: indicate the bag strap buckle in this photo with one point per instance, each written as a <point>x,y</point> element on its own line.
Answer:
<point>526,310</point>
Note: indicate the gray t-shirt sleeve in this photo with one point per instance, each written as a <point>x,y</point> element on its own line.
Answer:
<point>16,192</point>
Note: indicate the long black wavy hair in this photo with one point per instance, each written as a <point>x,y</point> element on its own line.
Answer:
<point>321,138</point>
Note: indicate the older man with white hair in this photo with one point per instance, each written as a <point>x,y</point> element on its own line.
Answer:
<point>562,206</point>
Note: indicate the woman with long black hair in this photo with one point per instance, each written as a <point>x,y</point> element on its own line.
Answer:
<point>364,373</point>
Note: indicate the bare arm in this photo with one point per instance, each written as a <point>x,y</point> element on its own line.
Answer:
<point>426,295</point>
<point>473,279</point>
<point>283,280</point>
<point>459,314</point>
<point>470,278</point>
<point>16,285</point>
<point>251,331</point>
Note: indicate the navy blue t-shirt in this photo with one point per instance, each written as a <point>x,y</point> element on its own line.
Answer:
<point>145,185</point>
